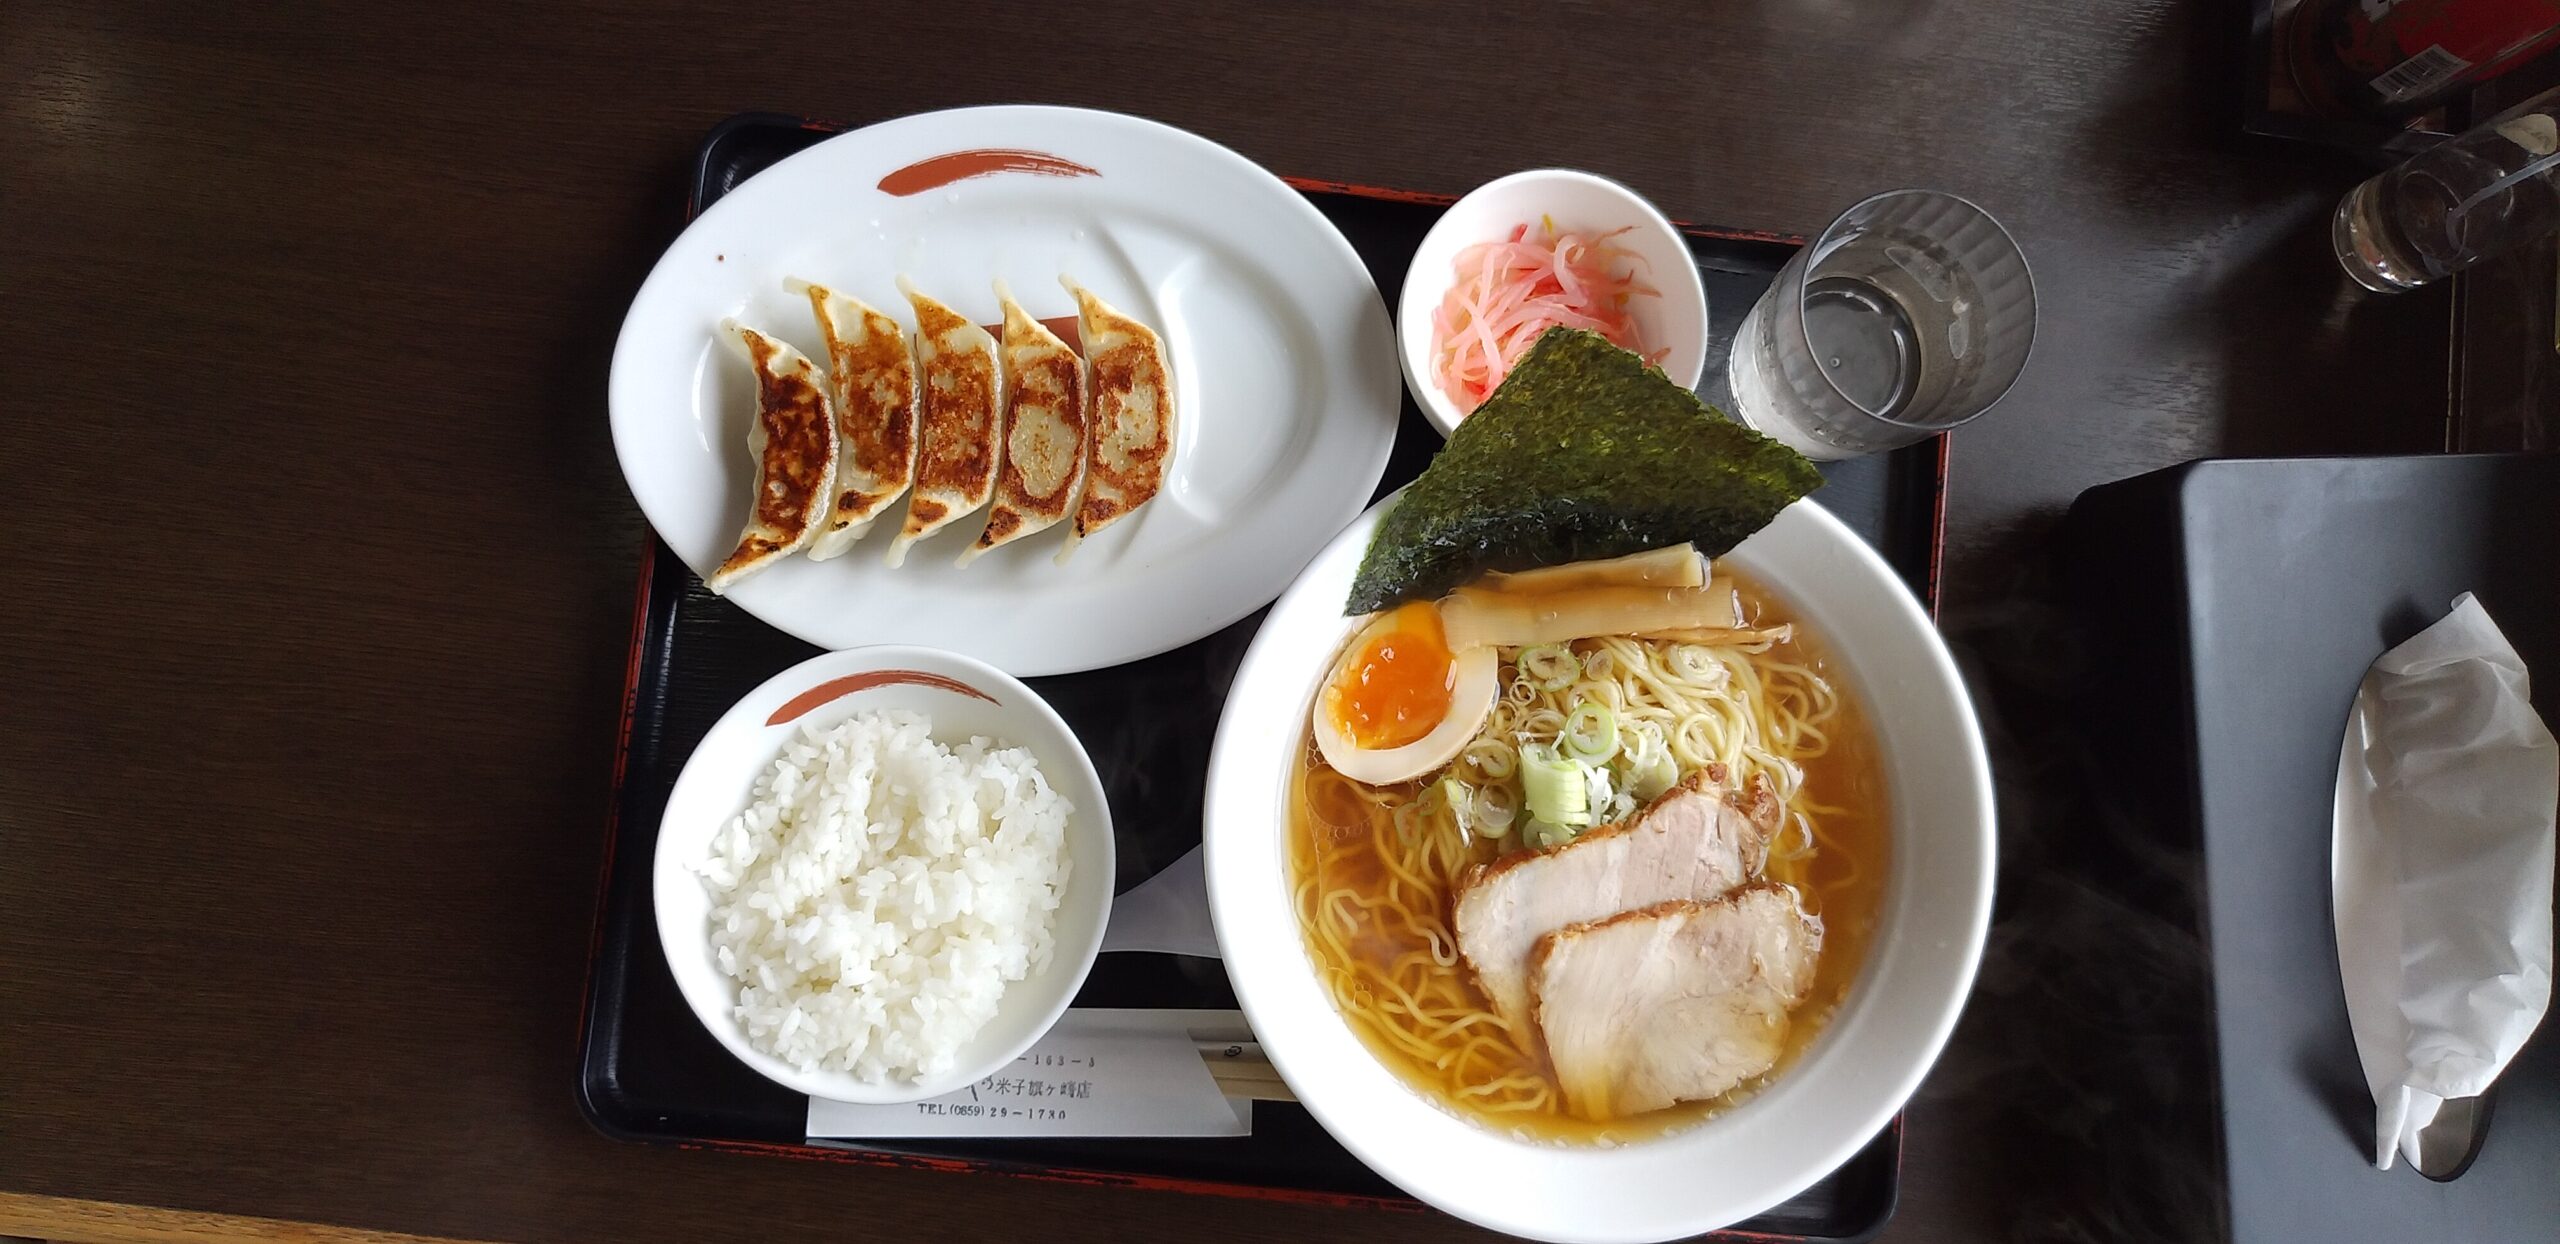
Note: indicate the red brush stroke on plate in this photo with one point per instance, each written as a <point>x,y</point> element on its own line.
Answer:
<point>942,170</point>
<point>1067,327</point>
<point>838,688</point>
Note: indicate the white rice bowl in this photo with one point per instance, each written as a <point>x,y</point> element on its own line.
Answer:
<point>881,890</point>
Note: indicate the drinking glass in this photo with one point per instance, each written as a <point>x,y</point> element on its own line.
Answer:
<point>1912,313</point>
<point>2456,203</point>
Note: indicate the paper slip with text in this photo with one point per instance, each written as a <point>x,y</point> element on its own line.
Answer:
<point>1097,1073</point>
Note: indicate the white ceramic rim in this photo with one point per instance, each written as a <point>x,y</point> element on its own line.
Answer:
<point>711,995</point>
<point>1847,1086</point>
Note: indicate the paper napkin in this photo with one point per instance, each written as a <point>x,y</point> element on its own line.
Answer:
<point>2441,870</point>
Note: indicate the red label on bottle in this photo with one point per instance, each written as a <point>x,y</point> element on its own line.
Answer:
<point>2409,48</point>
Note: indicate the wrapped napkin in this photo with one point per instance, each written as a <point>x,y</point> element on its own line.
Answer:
<point>2441,868</point>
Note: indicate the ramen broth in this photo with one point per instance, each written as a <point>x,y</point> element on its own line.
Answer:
<point>1383,964</point>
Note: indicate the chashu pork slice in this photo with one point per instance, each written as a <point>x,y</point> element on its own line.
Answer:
<point>793,439</point>
<point>960,423</point>
<point>1695,842</point>
<point>1684,1001</point>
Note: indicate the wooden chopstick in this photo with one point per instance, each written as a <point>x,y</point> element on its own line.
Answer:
<point>1251,1083</point>
<point>1242,1071</point>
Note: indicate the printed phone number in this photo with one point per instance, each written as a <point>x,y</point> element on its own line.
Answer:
<point>964,1110</point>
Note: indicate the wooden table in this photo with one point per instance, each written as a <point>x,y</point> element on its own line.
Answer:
<point>324,565</point>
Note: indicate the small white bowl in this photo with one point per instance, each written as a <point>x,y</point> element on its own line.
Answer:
<point>962,697</point>
<point>1578,202</point>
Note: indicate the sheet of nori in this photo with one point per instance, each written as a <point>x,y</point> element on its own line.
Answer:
<point>1585,451</point>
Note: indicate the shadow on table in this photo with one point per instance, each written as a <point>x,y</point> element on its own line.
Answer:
<point>2082,1060</point>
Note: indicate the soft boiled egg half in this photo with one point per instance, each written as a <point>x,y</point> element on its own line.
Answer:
<point>1399,702</point>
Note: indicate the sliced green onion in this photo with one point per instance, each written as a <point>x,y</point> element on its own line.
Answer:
<point>1494,809</point>
<point>1547,837</point>
<point>1555,787</point>
<point>1693,661</point>
<point>1598,794</point>
<point>1549,667</point>
<point>1452,795</point>
<point>1646,761</point>
<point>1590,733</point>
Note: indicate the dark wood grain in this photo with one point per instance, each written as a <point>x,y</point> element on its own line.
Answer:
<point>323,566</point>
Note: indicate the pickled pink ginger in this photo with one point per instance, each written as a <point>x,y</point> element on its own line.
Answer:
<point>1508,292</point>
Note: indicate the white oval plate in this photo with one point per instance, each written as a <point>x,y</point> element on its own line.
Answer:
<point>961,697</point>
<point>1809,1120</point>
<point>1285,376</point>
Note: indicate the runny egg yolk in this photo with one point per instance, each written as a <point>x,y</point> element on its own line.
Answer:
<point>1396,687</point>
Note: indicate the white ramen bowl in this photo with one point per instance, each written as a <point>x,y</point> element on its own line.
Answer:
<point>962,697</point>
<point>1578,202</point>
<point>1809,1119</point>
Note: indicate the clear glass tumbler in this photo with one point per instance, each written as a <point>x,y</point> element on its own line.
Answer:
<point>2456,203</point>
<point>1912,313</point>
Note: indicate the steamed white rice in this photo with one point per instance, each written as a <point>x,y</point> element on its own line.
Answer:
<point>881,890</point>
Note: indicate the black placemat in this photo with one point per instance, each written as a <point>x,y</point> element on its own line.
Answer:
<point>648,1070</point>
